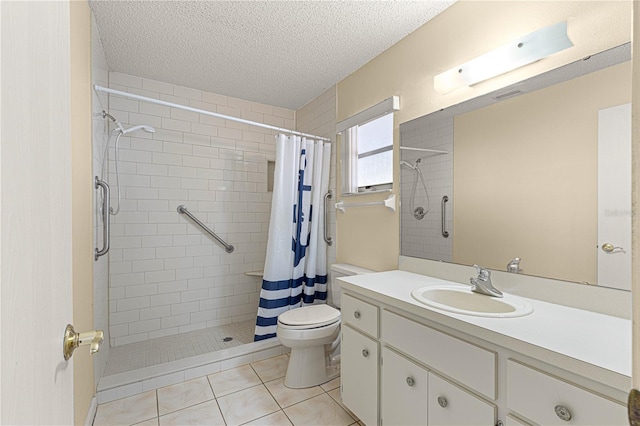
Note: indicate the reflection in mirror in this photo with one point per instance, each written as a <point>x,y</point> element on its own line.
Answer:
<point>520,169</point>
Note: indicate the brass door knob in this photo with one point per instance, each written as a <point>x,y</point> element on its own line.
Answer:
<point>610,248</point>
<point>73,340</point>
<point>607,247</point>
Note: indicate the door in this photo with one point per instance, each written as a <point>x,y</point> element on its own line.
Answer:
<point>614,197</point>
<point>35,213</point>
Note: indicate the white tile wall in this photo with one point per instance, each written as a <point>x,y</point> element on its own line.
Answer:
<point>318,117</point>
<point>166,276</point>
<point>423,238</point>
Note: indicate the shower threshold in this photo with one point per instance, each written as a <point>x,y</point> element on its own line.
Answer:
<point>137,367</point>
<point>134,356</point>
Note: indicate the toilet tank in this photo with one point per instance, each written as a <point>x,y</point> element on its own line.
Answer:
<point>341,270</point>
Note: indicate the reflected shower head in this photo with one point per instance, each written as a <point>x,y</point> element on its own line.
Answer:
<point>406,163</point>
<point>413,166</point>
<point>148,129</point>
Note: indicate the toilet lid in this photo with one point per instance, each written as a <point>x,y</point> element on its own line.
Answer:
<point>313,315</point>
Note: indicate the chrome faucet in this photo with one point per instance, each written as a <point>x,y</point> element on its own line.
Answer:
<point>482,283</point>
<point>514,265</point>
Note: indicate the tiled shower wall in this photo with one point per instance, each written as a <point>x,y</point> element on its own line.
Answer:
<point>318,117</point>
<point>423,238</point>
<point>166,275</point>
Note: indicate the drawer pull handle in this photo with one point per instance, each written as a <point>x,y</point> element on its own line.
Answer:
<point>410,381</point>
<point>365,353</point>
<point>356,314</point>
<point>442,401</point>
<point>563,413</point>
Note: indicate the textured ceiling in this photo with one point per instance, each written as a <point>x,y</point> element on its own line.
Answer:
<point>282,53</point>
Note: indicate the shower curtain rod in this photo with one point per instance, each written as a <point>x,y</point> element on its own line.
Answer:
<point>98,88</point>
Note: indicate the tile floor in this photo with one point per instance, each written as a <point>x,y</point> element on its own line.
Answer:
<point>172,348</point>
<point>252,394</point>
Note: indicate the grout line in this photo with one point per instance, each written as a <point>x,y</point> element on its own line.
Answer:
<point>220,410</point>
<point>157,406</point>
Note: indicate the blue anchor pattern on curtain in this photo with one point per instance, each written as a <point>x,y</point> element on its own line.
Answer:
<point>297,245</point>
<point>290,284</point>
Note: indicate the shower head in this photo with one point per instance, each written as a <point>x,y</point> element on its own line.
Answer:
<point>124,131</point>
<point>148,129</point>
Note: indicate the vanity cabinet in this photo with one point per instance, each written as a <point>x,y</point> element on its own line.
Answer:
<point>401,369</point>
<point>360,355</point>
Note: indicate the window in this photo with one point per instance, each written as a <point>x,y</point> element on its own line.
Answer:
<point>367,149</point>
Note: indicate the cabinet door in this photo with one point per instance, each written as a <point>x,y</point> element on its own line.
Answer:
<point>403,395</point>
<point>451,405</point>
<point>359,375</point>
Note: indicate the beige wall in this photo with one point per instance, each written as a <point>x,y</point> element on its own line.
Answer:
<point>369,236</point>
<point>526,176</point>
<point>82,193</point>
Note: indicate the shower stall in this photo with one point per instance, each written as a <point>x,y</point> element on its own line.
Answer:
<point>173,290</point>
<point>169,295</point>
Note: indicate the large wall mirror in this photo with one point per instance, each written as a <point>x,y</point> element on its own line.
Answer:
<point>539,171</point>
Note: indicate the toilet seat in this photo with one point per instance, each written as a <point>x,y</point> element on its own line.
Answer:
<point>306,317</point>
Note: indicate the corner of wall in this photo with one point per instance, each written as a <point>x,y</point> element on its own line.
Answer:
<point>318,117</point>
<point>82,195</point>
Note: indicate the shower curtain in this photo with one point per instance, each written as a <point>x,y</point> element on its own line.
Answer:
<point>295,270</point>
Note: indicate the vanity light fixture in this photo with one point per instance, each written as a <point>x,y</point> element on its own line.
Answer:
<point>523,51</point>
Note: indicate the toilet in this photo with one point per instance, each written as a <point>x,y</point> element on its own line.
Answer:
<point>312,332</point>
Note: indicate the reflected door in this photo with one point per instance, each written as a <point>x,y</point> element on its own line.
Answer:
<point>614,197</point>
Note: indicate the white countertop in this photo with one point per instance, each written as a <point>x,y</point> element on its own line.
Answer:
<point>590,344</point>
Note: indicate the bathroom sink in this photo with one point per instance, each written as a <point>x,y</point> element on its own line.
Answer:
<point>461,300</point>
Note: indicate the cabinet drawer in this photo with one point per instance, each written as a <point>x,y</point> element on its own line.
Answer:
<point>403,391</point>
<point>462,361</point>
<point>535,396</point>
<point>359,375</point>
<point>451,405</point>
<point>360,315</point>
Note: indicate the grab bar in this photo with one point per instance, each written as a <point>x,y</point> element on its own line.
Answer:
<point>327,238</point>
<point>445,233</point>
<point>389,203</point>
<point>106,233</point>
<point>183,210</point>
